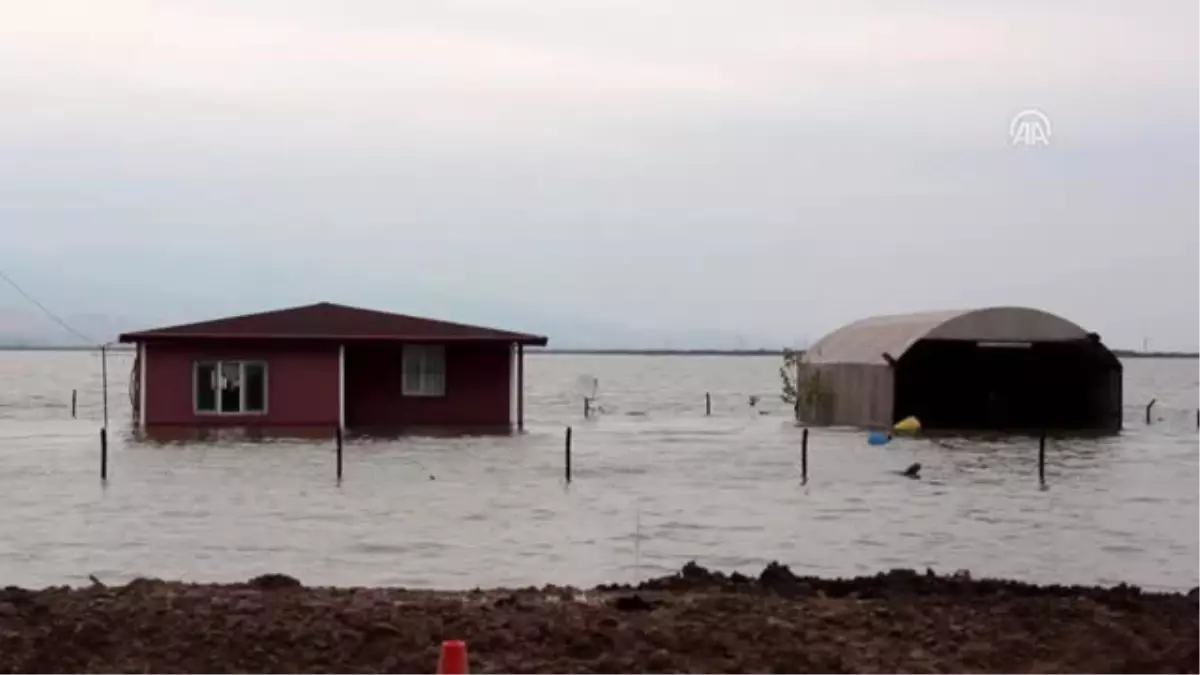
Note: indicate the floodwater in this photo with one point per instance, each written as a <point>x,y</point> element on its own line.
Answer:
<point>656,483</point>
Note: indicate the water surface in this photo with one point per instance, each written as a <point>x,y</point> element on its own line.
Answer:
<point>656,483</point>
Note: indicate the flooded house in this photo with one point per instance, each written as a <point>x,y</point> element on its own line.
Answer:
<point>998,368</point>
<point>323,367</point>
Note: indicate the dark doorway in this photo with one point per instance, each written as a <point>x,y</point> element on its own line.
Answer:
<point>955,384</point>
<point>373,386</point>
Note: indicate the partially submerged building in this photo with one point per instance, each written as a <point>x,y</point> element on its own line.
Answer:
<point>999,368</point>
<point>324,367</point>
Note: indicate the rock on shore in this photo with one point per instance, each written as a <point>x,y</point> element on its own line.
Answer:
<point>693,621</point>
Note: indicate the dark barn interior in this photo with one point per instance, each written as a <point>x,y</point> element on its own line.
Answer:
<point>970,385</point>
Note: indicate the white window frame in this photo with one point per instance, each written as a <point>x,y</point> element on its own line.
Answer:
<point>420,384</point>
<point>219,365</point>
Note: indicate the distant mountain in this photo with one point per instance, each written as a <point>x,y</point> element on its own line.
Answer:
<point>124,299</point>
<point>30,328</point>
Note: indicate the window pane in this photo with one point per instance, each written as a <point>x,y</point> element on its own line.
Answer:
<point>412,368</point>
<point>435,371</point>
<point>231,387</point>
<point>424,370</point>
<point>256,387</point>
<point>206,390</point>
<point>412,359</point>
<point>435,361</point>
<point>434,384</point>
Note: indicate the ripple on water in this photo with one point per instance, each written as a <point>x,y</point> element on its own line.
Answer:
<point>381,549</point>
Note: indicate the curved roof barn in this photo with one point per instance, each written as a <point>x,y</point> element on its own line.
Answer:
<point>867,340</point>
<point>993,368</point>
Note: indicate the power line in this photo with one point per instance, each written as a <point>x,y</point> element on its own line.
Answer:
<point>45,310</point>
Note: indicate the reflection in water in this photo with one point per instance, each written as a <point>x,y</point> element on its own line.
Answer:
<point>649,492</point>
<point>234,433</point>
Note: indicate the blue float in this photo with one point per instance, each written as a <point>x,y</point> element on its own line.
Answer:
<point>878,438</point>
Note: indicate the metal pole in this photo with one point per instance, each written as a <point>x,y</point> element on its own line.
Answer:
<point>104,454</point>
<point>1042,459</point>
<point>804,455</point>
<point>520,387</point>
<point>567,465</point>
<point>339,455</point>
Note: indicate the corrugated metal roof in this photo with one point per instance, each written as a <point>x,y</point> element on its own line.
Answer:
<point>329,321</point>
<point>867,340</point>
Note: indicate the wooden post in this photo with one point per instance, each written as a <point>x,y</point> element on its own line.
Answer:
<point>74,393</point>
<point>804,455</point>
<point>1042,459</point>
<point>707,404</point>
<point>339,454</point>
<point>1148,407</point>
<point>567,458</point>
<point>103,453</point>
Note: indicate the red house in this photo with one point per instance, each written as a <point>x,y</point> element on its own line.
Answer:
<point>323,367</point>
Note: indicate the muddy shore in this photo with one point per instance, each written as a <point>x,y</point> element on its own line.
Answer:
<point>694,621</point>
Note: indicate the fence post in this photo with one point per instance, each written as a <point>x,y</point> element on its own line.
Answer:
<point>567,457</point>
<point>1042,459</point>
<point>103,453</point>
<point>339,454</point>
<point>804,455</point>
<point>1148,407</point>
<point>707,404</point>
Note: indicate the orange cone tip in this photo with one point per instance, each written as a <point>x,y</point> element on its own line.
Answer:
<point>453,660</point>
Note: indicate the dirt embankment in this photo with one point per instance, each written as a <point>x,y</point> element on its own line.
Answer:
<point>694,621</point>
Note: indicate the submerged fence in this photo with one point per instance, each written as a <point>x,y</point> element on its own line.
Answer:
<point>707,404</point>
<point>1153,414</point>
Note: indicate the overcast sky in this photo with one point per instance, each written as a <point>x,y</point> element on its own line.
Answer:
<point>767,168</point>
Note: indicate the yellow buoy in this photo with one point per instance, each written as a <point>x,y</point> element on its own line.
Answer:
<point>908,424</point>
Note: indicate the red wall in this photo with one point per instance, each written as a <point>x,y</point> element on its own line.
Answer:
<point>302,383</point>
<point>477,389</point>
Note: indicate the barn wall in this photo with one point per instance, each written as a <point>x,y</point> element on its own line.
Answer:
<point>858,395</point>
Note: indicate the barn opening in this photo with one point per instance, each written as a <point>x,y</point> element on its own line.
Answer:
<point>1010,386</point>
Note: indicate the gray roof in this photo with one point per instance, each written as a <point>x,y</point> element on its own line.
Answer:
<point>866,341</point>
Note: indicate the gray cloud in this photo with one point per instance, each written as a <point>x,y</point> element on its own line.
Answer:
<point>768,168</point>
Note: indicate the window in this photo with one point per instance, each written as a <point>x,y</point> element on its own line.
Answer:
<point>424,370</point>
<point>230,387</point>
